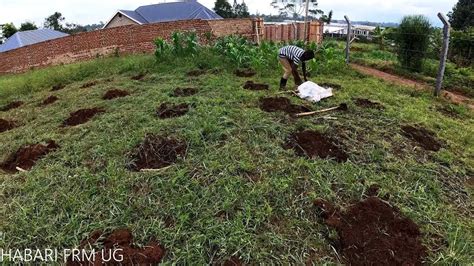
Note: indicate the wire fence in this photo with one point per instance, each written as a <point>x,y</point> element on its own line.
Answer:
<point>420,52</point>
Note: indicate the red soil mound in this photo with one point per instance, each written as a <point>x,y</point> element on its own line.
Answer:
<point>314,144</point>
<point>58,87</point>
<point>196,73</point>
<point>365,103</point>
<point>184,92</point>
<point>49,100</point>
<point>250,85</point>
<point>245,73</point>
<point>112,94</point>
<point>26,157</point>
<point>138,77</point>
<point>372,232</point>
<point>425,138</point>
<point>89,84</point>
<point>11,106</point>
<point>156,152</point>
<point>121,241</point>
<point>82,116</point>
<point>281,104</point>
<point>167,110</point>
<point>6,125</point>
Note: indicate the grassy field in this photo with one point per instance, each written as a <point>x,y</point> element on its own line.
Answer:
<point>457,79</point>
<point>237,192</point>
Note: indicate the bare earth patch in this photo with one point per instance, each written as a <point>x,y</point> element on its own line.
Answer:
<point>6,125</point>
<point>82,116</point>
<point>365,103</point>
<point>423,137</point>
<point>156,152</point>
<point>115,93</point>
<point>50,100</point>
<point>196,73</point>
<point>282,104</point>
<point>245,73</point>
<point>58,87</point>
<point>314,144</point>
<point>184,92</point>
<point>122,241</point>
<point>26,157</point>
<point>250,85</point>
<point>89,84</point>
<point>167,110</point>
<point>138,77</point>
<point>12,105</point>
<point>372,232</point>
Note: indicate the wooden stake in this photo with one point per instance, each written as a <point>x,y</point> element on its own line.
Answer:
<point>342,107</point>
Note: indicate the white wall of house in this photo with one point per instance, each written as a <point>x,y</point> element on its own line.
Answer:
<point>120,20</point>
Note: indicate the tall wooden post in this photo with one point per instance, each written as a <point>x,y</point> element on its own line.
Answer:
<point>444,53</point>
<point>348,44</point>
<point>306,37</point>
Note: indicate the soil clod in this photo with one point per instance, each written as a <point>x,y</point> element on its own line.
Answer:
<point>196,73</point>
<point>372,232</point>
<point>314,144</point>
<point>245,73</point>
<point>89,84</point>
<point>282,104</point>
<point>6,125</point>
<point>26,157</point>
<point>184,92</point>
<point>156,152</point>
<point>58,87</point>
<point>138,77</point>
<point>365,103</point>
<point>250,85</point>
<point>167,110</point>
<point>115,93</point>
<point>232,261</point>
<point>50,100</point>
<point>12,105</point>
<point>82,116</point>
<point>425,138</point>
<point>121,242</point>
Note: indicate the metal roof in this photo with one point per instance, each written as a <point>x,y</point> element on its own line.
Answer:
<point>171,11</point>
<point>29,37</point>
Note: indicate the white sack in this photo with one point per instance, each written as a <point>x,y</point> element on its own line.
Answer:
<point>313,92</point>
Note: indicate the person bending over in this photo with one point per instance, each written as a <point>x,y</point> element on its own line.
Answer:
<point>290,57</point>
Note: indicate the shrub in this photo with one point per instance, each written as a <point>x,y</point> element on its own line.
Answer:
<point>413,39</point>
<point>183,44</point>
<point>462,47</point>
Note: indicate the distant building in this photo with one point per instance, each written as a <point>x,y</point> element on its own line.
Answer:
<point>170,11</point>
<point>338,30</point>
<point>24,38</point>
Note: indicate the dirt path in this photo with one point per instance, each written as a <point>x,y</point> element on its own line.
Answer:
<point>450,96</point>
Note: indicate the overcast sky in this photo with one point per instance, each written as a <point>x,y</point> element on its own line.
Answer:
<point>93,11</point>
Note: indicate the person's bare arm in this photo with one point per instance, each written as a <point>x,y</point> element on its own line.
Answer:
<point>304,71</point>
<point>296,76</point>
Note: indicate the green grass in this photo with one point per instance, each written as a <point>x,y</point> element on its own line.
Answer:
<point>238,192</point>
<point>460,79</point>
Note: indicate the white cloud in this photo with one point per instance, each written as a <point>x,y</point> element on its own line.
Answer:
<point>93,11</point>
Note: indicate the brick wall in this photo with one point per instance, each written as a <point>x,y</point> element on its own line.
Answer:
<point>125,40</point>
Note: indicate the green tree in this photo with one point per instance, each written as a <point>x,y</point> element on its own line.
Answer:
<point>27,26</point>
<point>54,22</point>
<point>296,9</point>
<point>413,40</point>
<point>8,30</point>
<point>240,10</point>
<point>462,16</point>
<point>223,9</point>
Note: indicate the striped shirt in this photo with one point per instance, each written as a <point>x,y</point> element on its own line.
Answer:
<point>293,53</point>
